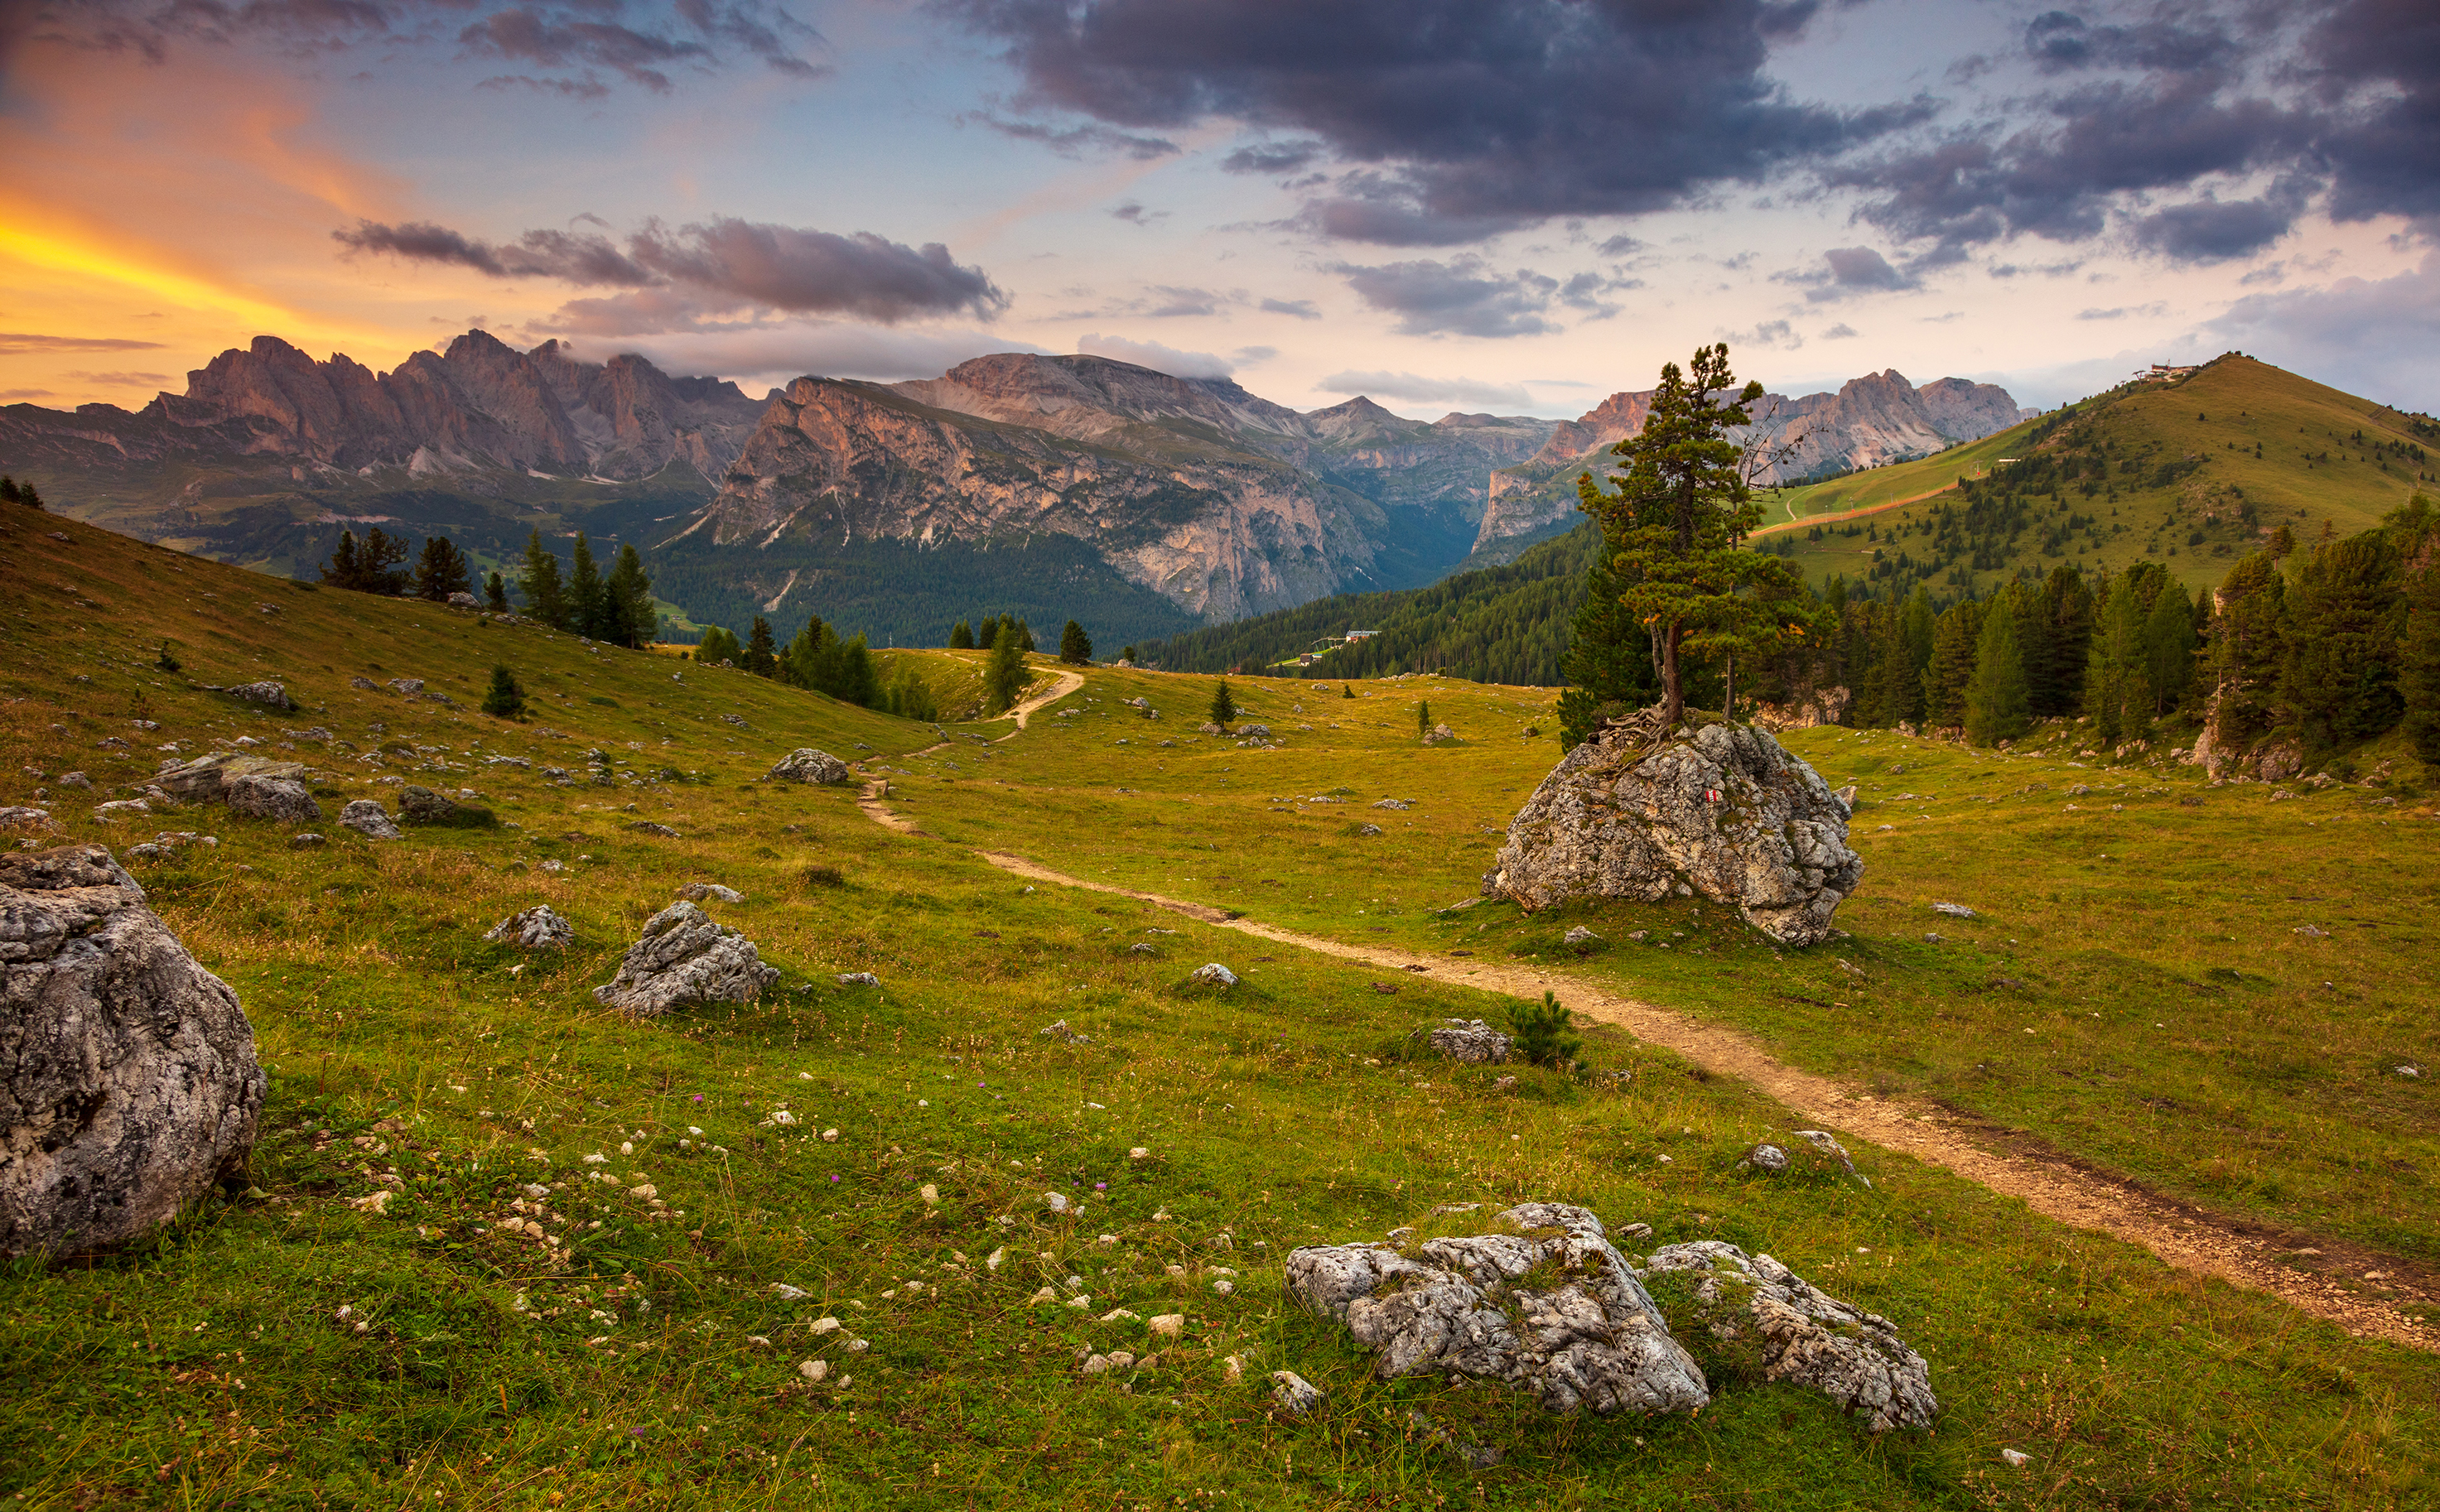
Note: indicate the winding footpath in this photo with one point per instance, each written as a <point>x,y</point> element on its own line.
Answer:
<point>2188,1238</point>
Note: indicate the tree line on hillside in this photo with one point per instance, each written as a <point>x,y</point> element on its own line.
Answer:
<point>2332,647</point>
<point>818,658</point>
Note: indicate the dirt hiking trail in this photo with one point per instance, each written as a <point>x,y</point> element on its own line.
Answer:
<point>2283,1264</point>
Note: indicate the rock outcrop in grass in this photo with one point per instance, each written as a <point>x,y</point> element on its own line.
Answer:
<point>809,765</point>
<point>535,929</point>
<point>1853,1357</point>
<point>282,800</point>
<point>128,1079</point>
<point>1724,812</point>
<point>1550,1306</point>
<point>685,959</point>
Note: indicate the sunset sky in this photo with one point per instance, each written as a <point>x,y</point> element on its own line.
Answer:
<point>1517,205</point>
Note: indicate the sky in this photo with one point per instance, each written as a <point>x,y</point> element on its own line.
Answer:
<point>1508,205</point>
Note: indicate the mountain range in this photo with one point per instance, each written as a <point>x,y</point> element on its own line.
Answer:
<point>1143,503</point>
<point>1871,422</point>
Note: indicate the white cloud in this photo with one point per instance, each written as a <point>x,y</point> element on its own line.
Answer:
<point>1154,355</point>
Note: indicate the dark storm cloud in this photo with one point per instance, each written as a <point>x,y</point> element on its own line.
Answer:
<point>1847,270</point>
<point>1075,141</point>
<point>1462,297</point>
<point>777,267</point>
<point>1476,115</point>
<point>2337,101</point>
<point>583,37</point>
<point>1271,157</point>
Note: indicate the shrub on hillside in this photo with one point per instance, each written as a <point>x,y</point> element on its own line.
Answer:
<point>1545,1032</point>
<point>504,699</point>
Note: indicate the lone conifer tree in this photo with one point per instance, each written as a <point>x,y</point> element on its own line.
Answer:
<point>1005,676</point>
<point>442,571</point>
<point>1996,701</point>
<point>628,616</point>
<point>1424,717</point>
<point>1075,648</point>
<point>504,699</point>
<point>1678,518</point>
<point>584,592</point>
<point>962,637</point>
<point>1224,709</point>
<point>1347,690</point>
<point>495,594</point>
<point>539,583</point>
<point>761,652</point>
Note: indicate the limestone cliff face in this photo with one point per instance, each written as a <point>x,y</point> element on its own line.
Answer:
<point>480,405</point>
<point>1218,528</point>
<point>1871,422</point>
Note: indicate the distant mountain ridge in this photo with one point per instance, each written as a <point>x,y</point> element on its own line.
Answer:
<point>1870,421</point>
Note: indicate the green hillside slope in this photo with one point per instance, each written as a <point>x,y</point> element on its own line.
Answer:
<point>2190,473</point>
<point>500,1247</point>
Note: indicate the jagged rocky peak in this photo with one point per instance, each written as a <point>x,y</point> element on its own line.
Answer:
<point>1089,398</point>
<point>480,403</point>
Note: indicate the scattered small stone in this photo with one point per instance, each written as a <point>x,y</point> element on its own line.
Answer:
<point>304,841</point>
<point>858,979</point>
<point>2016,1457</point>
<point>1296,1395</point>
<point>2312,933</point>
<point>1468,1041</point>
<point>1214,974</point>
<point>1367,831</point>
<point>536,928</point>
<point>1765,1158</point>
<point>645,827</point>
<point>713,892</point>
<point>1954,909</point>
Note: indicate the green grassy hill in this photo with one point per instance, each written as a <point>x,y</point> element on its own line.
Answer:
<point>2166,471</point>
<point>2134,995</point>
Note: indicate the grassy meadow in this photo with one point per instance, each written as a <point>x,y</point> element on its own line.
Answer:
<point>519,1323</point>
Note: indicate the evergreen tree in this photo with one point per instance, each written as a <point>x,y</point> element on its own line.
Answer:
<point>1347,690</point>
<point>1127,654</point>
<point>2169,647</point>
<point>1005,675</point>
<point>346,568</point>
<point>164,660</point>
<point>1679,513</point>
<point>2419,662</point>
<point>495,594</point>
<point>1424,719</point>
<point>539,583</point>
<point>719,645</point>
<point>910,697</point>
<point>442,571</point>
<point>2247,650</point>
<point>1997,707</point>
<point>962,637</point>
<point>504,699</point>
<point>628,613</point>
<point>801,664</point>
<point>761,652</point>
<point>1075,648</point>
<point>12,491</point>
<point>586,601</point>
<point>1609,665</point>
<point>2054,677</point>
<point>2117,675</point>
<point>2345,617</point>
<point>1224,709</point>
<point>1025,638</point>
<point>1951,667</point>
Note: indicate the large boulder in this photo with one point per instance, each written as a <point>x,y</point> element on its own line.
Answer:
<point>282,800</point>
<point>368,818</point>
<point>271,694</point>
<point>683,957</point>
<point>1853,1357</point>
<point>1725,811</point>
<point>206,779</point>
<point>1468,1041</point>
<point>128,1079</point>
<point>1584,1334</point>
<point>809,765</point>
<point>422,805</point>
